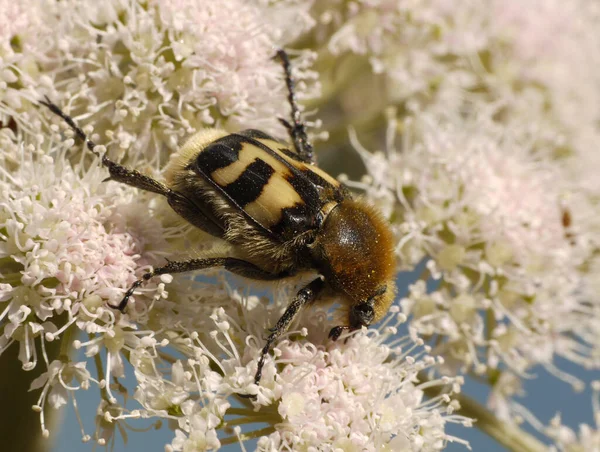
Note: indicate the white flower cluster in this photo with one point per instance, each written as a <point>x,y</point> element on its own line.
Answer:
<point>362,393</point>
<point>140,75</point>
<point>71,245</point>
<point>488,216</point>
<point>490,176</point>
<point>454,52</point>
<point>145,74</point>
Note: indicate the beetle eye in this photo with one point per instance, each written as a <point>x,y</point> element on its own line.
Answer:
<point>361,315</point>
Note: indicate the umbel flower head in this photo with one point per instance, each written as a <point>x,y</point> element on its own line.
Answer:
<point>145,74</point>
<point>449,54</point>
<point>70,246</point>
<point>362,394</point>
<point>488,214</point>
<point>141,75</point>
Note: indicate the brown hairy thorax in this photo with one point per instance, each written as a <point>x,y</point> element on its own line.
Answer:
<point>355,249</point>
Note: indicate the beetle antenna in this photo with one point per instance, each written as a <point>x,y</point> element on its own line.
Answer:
<point>57,111</point>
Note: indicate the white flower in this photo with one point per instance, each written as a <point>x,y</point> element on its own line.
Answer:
<point>540,45</point>
<point>57,380</point>
<point>360,393</point>
<point>443,56</point>
<point>17,18</point>
<point>141,75</point>
<point>65,246</point>
<point>146,74</point>
<point>59,384</point>
<point>484,209</point>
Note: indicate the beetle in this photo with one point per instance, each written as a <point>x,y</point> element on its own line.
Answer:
<point>280,211</point>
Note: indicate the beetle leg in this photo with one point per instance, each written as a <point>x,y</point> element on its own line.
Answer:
<point>297,128</point>
<point>304,296</point>
<point>118,173</point>
<point>337,331</point>
<point>237,266</point>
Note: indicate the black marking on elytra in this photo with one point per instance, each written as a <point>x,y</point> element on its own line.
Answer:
<point>256,134</point>
<point>336,193</point>
<point>295,221</point>
<point>294,155</point>
<point>268,150</point>
<point>303,216</point>
<point>219,154</point>
<point>316,179</point>
<point>309,185</point>
<point>250,184</point>
<point>307,190</point>
<point>228,148</point>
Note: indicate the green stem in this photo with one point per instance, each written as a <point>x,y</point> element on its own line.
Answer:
<point>14,279</point>
<point>506,434</point>
<point>66,343</point>
<point>19,424</point>
<point>251,420</point>
<point>491,323</point>
<point>248,415</point>
<point>239,411</point>
<point>247,436</point>
<point>168,358</point>
<point>100,375</point>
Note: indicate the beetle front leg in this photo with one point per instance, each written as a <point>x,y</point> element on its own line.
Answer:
<point>337,331</point>
<point>304,296</point>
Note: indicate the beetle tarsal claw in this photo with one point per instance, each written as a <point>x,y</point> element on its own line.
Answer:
<point>336,332</point>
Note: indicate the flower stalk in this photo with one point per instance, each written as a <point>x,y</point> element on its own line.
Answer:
<point>508,435</point>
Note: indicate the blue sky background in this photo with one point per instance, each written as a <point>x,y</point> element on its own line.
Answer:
<point>546,395</point>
